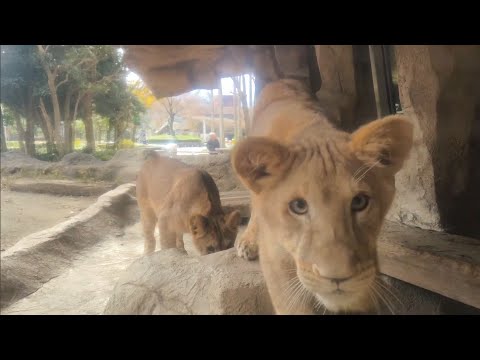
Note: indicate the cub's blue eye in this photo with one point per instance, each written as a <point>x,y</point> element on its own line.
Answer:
<point>298,206</point>
<point>360,202</point>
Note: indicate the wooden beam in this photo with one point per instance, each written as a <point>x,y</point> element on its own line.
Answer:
<point>443,263</point>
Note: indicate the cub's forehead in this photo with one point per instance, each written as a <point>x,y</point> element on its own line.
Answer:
<point>331,175</point>
<point>323,162</point>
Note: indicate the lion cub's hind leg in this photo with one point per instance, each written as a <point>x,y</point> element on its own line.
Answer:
<point>168,239</point>
<point>179,241</point>
<point>149,220</point>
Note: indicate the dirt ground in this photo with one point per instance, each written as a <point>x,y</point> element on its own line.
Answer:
<point>23,214</point>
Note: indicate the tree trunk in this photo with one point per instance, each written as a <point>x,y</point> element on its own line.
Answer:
<point>115,135</point>
<point>2,133</point>
<point>212,123</point>
<point>109,131</point>
<point>235,112</point>
<point>20,132</point>
<point>222,132</point>
<point>134,133</point>
<point>74,118</point>
<point>243,98</point>
<point>46,134</point>
<point>30,136</point>
<point>57,116</point>
<point>47,125</point>
<point>171,119</point>
<point>119,130</point>
<point>69,147</point>
<point>30,124</point>
<point>88,121</point>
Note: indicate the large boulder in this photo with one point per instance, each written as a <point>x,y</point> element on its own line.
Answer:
<point>172,282</point>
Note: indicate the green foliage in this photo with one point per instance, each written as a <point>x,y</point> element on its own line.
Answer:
<point>42,153</point>
<point>104,153</point>
<point>7,116</point>
<point>78,144</point>
<point>96,69</point>
<point>79,129</point>
<point>126,144</point>
<point>21,76</point>
<point>13,145</point>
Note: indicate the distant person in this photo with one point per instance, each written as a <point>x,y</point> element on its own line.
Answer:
<point>143,136</point>
<point>213,143</point>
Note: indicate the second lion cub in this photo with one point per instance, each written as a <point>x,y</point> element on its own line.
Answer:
<point>182,199</point>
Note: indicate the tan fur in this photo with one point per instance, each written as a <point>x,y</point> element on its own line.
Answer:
<point>182,199</point>
<point>325,258</point>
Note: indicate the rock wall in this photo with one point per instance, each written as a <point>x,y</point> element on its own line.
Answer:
<point>440,92</point>
<point>122,168</point>
<point>337,94</point>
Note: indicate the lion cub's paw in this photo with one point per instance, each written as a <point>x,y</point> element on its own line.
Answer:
<point>247,249</point>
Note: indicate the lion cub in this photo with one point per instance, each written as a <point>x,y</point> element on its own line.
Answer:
<point>182,199</point>
<point>319,198</point>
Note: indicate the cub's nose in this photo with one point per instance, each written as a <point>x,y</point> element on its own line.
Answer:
<point>336,262</point>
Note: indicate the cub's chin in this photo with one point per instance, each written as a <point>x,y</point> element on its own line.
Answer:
<point>348,303</point>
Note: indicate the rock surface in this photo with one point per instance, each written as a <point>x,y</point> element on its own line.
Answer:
<point>171,282</point>
<point>60,187</point>
<point>39,257</point>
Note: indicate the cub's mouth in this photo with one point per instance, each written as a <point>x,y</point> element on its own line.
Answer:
<point>352,294</point>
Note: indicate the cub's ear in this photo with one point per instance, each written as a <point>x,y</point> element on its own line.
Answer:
<point>198,225</point>
<point>260,162</point>
<point>384,143</point>
<point>232,220</point>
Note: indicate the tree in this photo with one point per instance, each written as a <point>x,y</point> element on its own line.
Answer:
<point>2,133</point>
<point>243,99</point>
<point>173,106</point>
<point>146,98</point>
<point>19,84</point>
<point>94,69</point>
<point>50,86</point>
<point>56,76</point>
<point>143,93</point>
<point>120,107</point>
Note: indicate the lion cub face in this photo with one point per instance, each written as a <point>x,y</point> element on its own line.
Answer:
<point>321,206</point>
<point>214,233</point>
<point>328,222</point>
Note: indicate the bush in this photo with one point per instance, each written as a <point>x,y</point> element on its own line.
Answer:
<point>78,144</point>
<point>13,145</point>
<point>105,154</point>
<point>126,144</point>
<point>41,153</point>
